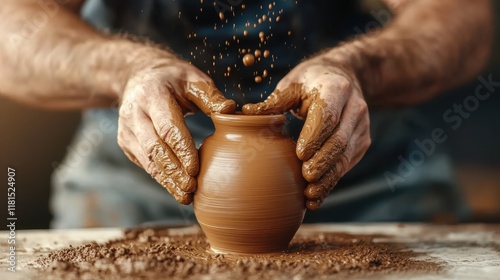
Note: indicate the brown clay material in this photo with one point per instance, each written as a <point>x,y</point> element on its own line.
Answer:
<point>171,174</point>
<point>208,98</point>
<point>250,196</point>
<point>324,151</point>
<point>155,254</point>
<point>173,160</point>
<point>248,60</point>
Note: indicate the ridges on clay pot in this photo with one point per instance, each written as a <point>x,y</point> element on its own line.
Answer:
<point>250,186</point>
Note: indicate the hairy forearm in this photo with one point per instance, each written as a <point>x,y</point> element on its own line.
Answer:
<point>51,58</point>
<point>429,47</point>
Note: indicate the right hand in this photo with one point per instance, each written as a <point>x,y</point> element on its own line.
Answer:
<point>151,127</point>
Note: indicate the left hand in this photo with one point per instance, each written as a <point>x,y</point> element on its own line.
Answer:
<point>336,132</point>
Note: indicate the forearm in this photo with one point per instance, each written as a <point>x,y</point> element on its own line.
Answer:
<point>429,47</point>
<point>62,63</point>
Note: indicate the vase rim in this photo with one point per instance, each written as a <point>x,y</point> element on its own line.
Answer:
<point>251,120</point>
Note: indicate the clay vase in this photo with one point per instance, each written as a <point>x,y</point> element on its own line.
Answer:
<point>250,186</point>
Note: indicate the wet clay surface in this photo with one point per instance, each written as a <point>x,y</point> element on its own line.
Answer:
<point>173,159</point>
<point>154,253</point>
<point>208,98</point>
<point>170,174</point>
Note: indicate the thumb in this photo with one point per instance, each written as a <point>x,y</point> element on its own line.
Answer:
<point>277,102</point>
<point>208,98</point>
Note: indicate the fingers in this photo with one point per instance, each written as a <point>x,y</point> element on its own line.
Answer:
<point>340,152</point>
<point>170,126</point>
<point>164,156</point>
<point>278,102</point>
<point>317,191</point>
<point>323,114</point>
<point>319,125</point>
<point>335,145</point>
<point>127,141</point>
<point>208,98</point>
<point>144,162</point>
<point>164,168</point>
<point>156,157</point>
<point>170,175</point>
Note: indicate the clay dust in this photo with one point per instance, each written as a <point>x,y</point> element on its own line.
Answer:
<point>154,253</point>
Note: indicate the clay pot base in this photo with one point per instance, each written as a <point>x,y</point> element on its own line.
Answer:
<point>154,254</point>
<point>215,251</point>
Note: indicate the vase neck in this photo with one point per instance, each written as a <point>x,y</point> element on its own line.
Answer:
<point>269,126</point>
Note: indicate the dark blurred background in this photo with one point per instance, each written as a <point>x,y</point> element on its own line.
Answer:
<point>34,141</point>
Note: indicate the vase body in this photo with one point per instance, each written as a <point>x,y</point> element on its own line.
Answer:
<point>250,187</point>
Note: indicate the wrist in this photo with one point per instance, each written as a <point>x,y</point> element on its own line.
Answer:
<point>350,58</point>
<point>125,60</point>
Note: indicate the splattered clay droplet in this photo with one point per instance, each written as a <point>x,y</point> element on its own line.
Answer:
<point>248,60</point>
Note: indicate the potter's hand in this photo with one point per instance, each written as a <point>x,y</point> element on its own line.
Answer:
<point>336,132</point>
<point>151,127</point>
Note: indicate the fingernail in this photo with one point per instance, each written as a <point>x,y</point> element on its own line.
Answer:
<point>185,199</point>
<point>248,109</point>
<point>228,107</point>
<point>313,204</point>
<point>188,185</point>
<point>309,173</point>
<point>192,167</point>
<point>313,192</point>
<point>302,152</point>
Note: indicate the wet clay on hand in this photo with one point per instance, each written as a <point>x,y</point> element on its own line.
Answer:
<point>208,98</point>
<point>170,174</point>
<point>152,131</point>
<point>175,157</point>
<point>336,132</point>
<point>250,187</point>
